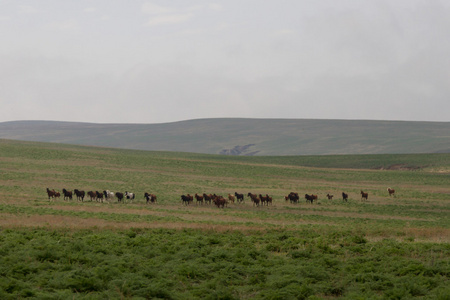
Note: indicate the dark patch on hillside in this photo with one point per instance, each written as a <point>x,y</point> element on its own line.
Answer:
<point>401,167</point>
<point>443,151</point>
<point>239,150</point>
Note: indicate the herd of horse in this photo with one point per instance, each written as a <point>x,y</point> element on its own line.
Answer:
<point>98,196</point>
<point>221,201</point>
<point>218,200</point>
<point>259,199</point>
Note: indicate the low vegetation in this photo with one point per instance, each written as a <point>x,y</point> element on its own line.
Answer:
<point>383,247</point>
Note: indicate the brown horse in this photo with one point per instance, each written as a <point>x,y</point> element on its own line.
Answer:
<point>364,195</point>
<point>150,197</point>
<point>264,199</point>
<point>207,198</point>
<point>311,198</point>
<point>198,198</point>
<point>50,193</point>
<point>99,196</point>
<point>231,198</point>
<point>254,198</point>
<point>391,191</point>
<point>220,201</point>
<point>92,195</point>
<point>330,197</point>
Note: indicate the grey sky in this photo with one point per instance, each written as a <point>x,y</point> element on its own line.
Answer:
<point>162,61</point>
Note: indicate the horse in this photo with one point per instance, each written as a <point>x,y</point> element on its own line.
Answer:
<point>364,195</point>
<point>207,198</point>
<point>67,194</point>
<point>330,197</point>
<point>108,195</point>
<point>150,197</point>
<point>344,197</point>
<point>255,199</point>
<point>57,195</point>
<point>99,196</point>
<point>119,196</point>
<point>252,196</point>
<point>265,199</point>
<point>50,193</point>
<point>220,201</point>
<point>292,197</point>
<point>391,191</point>
<point>92,195</point>
<point>231,198</point>
<point>185,199</point>
<point>199,198</point>
<point>79,194</point>
<point>239,197</point>
<point>130,196</point>
<point>309,198</point>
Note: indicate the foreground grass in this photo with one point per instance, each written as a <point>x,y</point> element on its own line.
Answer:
<point>386,247</point>
<point>186,264</point>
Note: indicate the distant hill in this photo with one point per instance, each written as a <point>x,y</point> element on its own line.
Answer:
<point>245,136</point>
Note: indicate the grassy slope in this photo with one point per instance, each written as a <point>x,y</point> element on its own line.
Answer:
<point>386,247</point>
<point>270,136</point>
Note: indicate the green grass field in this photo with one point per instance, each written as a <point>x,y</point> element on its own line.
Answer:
<point>386,247</point>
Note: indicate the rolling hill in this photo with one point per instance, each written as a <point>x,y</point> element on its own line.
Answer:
<point>245,136</point>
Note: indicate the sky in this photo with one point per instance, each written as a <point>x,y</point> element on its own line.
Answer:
<point>117,61</point>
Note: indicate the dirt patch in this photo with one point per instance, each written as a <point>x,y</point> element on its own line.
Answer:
<point>401,167</point>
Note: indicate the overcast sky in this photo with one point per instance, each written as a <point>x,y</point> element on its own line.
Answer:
<point>117,61</point>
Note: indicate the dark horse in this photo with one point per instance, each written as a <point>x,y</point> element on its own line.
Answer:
<point>310,198</point>
<point>51,193</point>
<point>79,194</point>
<point>119,196</point>
<point>186,199</point>
<point>67,194</point>
<point>364,195</point>
<point>344,197</point>
<point>293,197</point>
<point>239,197</point>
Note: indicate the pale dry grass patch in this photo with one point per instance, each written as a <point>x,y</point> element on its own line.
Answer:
<point>75,223</point>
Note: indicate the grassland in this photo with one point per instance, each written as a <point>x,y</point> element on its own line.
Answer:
<point>386,247</point>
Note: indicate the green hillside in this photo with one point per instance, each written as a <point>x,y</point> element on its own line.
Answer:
<point>385,247</point>
<point>260,137</point>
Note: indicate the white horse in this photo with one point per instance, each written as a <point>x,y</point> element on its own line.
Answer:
<point>108,195</point>
<point>130,196</point>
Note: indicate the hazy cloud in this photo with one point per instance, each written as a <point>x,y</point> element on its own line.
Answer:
<point>169,19</point>
<point>159,61</point>
<point>27,9</point>
<point>90,9</point>
<point>154,9</point>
